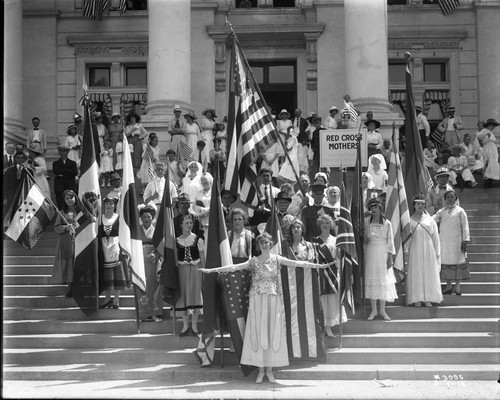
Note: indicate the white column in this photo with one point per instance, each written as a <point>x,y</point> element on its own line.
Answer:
<point>14,128</point>
<point>169,61</point>
<point>367,78</point>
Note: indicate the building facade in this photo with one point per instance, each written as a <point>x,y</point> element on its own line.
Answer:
<point>304,53</point>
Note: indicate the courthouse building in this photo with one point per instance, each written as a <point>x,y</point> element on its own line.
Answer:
<point>304,53</point>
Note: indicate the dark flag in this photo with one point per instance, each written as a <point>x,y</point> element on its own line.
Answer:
<point>29,214</point>
<point>447,6</point>
<point>86,274</point>
<point>357,218</point>
<point>218,255</point>
<point>415,174</point>
<point>165,242</point>
<point>250,127</point>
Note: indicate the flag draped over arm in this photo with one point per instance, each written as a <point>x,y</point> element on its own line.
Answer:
<point>29,214</point>
<point>85,286</point>
<point>416,175</point>
<point>218,255</point>
<point>129,231</point>
<point>346,243</point>
<point>165,242</point>
<point>250,128</point>
<point>396,210</point>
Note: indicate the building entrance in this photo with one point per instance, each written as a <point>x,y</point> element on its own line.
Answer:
<point>278,82</point>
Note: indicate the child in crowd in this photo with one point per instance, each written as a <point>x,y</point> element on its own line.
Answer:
<point>106,163</point>
<point>73,143</point>
<point>429,155</point>
<point>119,154</point>
<point>150,156</point>
<point>446,152</point>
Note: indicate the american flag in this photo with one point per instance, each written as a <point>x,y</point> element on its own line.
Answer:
<point>346,243</point>
<point>447,6</point>
<point>396,209</point>
<point>151,156</point>
<point>185,151</point>
<point>250,128</point>
<point>351,111</point>
<point>416,175</point>
<point>93,9</point>
<point>438,138</point>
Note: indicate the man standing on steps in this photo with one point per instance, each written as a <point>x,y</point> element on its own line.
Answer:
<point>435,195</point>
<point>65,171</point>
<point>311,213</point>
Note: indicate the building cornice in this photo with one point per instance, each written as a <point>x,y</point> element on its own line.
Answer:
<point>404,38</point>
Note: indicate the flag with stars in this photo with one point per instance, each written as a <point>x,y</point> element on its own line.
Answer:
<point>32,215</point>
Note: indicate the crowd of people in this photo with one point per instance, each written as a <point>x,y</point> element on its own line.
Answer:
<point>308,214</point>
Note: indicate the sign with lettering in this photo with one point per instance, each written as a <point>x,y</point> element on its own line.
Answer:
<point>337,148</point>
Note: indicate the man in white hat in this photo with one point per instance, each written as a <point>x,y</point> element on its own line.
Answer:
<point>177,131</point>
<point>435,195</point>
<point>330,122</point>
<point>451,126</point>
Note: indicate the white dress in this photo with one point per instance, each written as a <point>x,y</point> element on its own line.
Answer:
<point>70,142</point>
<point>193,134</point>
<point>39,172</point>
<point>106,161</point>
<point>424,265</point>
<point>286,171</point>
<point>143,173</point>
<point>490,154</point>
<point>267,156</point>
<point>379,280</point>
<point>207,135</point>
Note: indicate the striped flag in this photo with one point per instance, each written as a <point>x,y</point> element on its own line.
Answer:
<point>346,243</point>
<point>165,242</point>
<point>396,209</point>
<point>32,213</point>
<point>415,174</point>
<point>250,128</point>
<point>351,111</point>
<point>185,151</point>
<point>86,273</point>
<point>151,156</point>
<point>93,9</point>
<point>129,230</point>
<point>447,6</point>
<point>219,255</point>
<point>438,138</point>
<point>122,7</point>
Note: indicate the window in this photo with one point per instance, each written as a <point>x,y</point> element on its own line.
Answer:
<point>397,71</point>
<point>258,73</point>
<point>281,74</point>
<point>435,71</point>
<point>274,73</point>
<point>396,2</point>
<point>99,75</point>
<point>136,76</point>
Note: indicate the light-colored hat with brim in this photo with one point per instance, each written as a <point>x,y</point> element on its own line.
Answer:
<point>333,108</point>
<point>284,111</point>
<point>115,114</point>
<point>35,149</point>
<point>190,114</point>
<point>69,127</point>
<point>442,171</point>
<point>177,107</point>
<point>207,109</point>
<point>62,147</point>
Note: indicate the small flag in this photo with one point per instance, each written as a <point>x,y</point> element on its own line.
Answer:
<point>151,156</point>
<point>447,6</point>
<point>93,9</point>
<point>33,214</point>
<point>185,151</point>
<point>351,111</point>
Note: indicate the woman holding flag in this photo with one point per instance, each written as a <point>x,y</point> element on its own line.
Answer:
<point>264,343</point>
<point>150,156</point>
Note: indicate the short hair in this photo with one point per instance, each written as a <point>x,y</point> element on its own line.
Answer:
<point>159,163</point>
<point>32,119</point>
<point>136,116</point>
<point>306,176</point>
<point>152,136</point>
<point>324,217</point>
<point>20,153</point>
<point>238,211</point>
<point>264,170</point>
<point>147,209</point>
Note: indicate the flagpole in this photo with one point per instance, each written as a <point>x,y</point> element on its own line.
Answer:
<point>341,265</point>
<point>361,221</point>
<point>136,301</point>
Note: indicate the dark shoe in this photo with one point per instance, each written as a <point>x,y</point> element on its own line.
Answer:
<point>449,291</point>
<point>116,306</point>
<point>147,319</point>
<point>109,304</point>
<point>458,293</point>
<point>184,333</point>
<point>69,294</point>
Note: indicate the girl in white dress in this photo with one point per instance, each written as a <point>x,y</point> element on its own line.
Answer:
<point>379,254</point>
<point>264,343</point>
<point>73,143</point>
<point>207,123</point>
<point>286,171</point>
<point>150,156</point>
<point>106,163</point>
<point>193,132</point>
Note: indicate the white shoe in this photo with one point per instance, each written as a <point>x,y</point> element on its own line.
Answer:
<point>270,376</point>
<point>260,377</point>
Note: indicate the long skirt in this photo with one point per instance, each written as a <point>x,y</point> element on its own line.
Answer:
<point>379,281</point>
<point>115,278</point>
<point>64,262</point>
<point>190,280</point>
<point>330,304</point>
<point>264,344</point>
<point>460,272</point>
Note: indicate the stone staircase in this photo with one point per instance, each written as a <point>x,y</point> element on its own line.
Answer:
<point>47,337</point>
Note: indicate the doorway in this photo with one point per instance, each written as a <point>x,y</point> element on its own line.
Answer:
<point>278,83</point>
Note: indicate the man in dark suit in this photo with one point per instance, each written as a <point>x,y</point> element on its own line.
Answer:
<point>65,171</point>
<point>8,159</point>
<point>311,213</point>
<point>299,131</point>
<point>13,177</point>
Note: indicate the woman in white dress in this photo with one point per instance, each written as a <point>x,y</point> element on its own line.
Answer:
<point>270,159</point>
<point>490,152</point>
<point>379,254</point>
<point>207,123</point>
<point>200,207</point>
<point>376,168</point>
<point>73,143</point>
<point>286,171</point>
<point>150,156</point>
<point>38,167</point>
<point>264,343</point>
<point>424,257</point>
<point>191,183</point>
<point>454,236</point>
<point>282,125</point>
<point>193,132</point>
<point>366,183</point>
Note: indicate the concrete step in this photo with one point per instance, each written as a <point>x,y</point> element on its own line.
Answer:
<point>169,340</point>
<point>490,256</point>
<point>140,357</point>
<point>493,276</point>
<point>190,374</point>
<point>128,325</point>
<point>396,312</point>
<point>47,250</point>
<point>27,269</point>
<point>484,266</point>
<point>29,260</point>
<point>484,248</point>
<point>488,239</point>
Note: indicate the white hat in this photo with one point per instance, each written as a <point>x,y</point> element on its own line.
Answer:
<point>333,108</point>
<point>177,107</point>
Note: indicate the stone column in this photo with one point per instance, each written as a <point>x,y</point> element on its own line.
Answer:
<point>13,128</point>
<point>367,79</point>
<point>169,63</point>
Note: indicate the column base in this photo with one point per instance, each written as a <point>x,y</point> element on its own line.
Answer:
<point>166,107</point>
<point>14,130</point>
